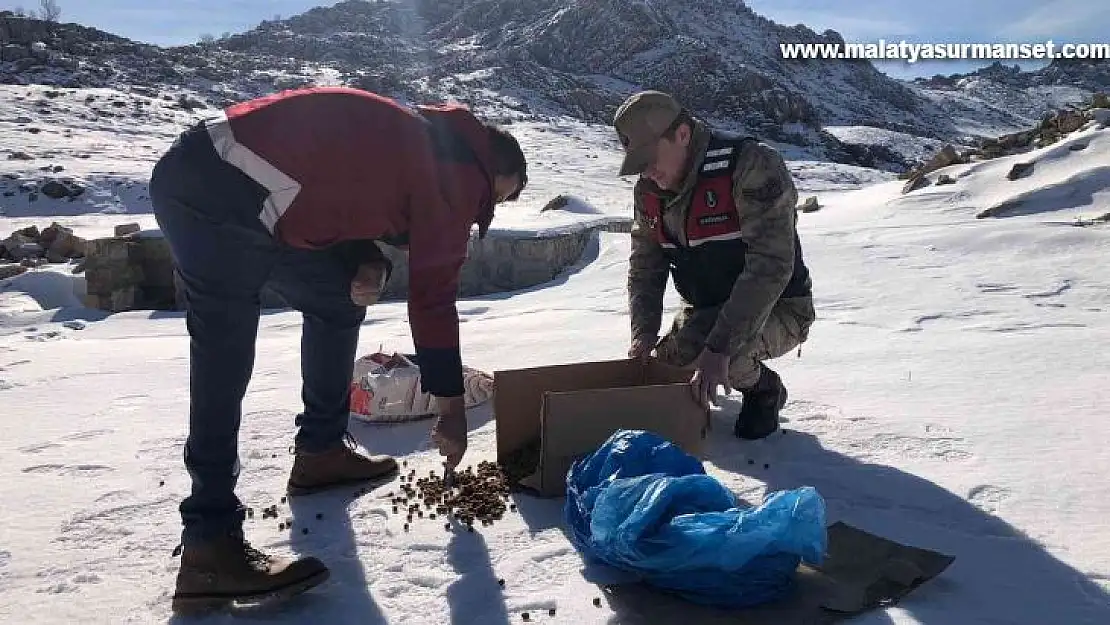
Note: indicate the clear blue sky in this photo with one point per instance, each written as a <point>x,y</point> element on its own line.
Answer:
<point>972,21</point>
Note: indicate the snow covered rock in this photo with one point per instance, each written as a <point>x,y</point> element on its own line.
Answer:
<point>1020,170</point>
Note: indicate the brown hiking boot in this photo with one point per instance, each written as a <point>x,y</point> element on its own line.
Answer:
<point>339,466</point>
<point>226,571</point>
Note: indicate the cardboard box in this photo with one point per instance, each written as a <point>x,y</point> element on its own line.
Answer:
<point>549,416</point>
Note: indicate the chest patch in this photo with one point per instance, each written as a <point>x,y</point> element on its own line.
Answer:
<point>717,218</point>
<point>711,198</point>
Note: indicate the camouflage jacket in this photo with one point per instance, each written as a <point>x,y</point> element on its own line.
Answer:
<point>765,197</point>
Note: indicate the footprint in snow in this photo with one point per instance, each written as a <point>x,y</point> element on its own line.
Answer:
<point>1063,287</point>
<point>43,337</point>
<point>38,447</point>
<point>992,287</point>
<point>430,579</point>
<point>87,435</point>
<point>78,470</point>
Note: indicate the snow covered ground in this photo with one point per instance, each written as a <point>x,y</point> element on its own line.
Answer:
<point>952,396</point>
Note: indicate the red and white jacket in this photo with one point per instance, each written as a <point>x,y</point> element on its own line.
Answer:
<point>343,164</point>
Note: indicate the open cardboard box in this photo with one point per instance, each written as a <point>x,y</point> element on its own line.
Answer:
<point>570,410</point>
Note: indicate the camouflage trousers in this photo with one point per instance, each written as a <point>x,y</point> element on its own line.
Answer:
<point>787,327</point>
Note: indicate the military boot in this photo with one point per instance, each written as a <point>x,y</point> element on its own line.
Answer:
<point>339,466</point>
<point>759,413</point>
<point>226,571</point>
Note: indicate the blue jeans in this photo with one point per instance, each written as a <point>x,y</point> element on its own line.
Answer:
<point>207,211</point>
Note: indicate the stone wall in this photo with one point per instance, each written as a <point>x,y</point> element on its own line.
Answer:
<point>133,272</point>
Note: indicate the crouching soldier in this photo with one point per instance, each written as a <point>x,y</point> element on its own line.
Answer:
<point>717,213</point>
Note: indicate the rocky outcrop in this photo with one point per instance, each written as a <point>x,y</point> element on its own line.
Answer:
<point>32,247</point>
<point>1051,129</point>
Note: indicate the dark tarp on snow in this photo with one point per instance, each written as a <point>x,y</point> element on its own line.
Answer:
<point>861,572</point>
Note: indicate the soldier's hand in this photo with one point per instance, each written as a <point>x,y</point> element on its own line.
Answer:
<point>711,372</point>
<point>642,346</point>
<point>368,283</point>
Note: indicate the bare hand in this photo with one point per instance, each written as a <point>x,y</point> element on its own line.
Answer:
<point>642,346</point>
<point>712,372</point>
<point>367,285</point>
<point>450,430</point>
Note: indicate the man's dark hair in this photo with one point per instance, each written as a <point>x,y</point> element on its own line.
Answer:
<point>508,158</point>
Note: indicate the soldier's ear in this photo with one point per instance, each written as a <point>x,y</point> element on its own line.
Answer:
<point>684,134</point>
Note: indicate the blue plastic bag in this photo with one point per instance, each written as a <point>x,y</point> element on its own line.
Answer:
<point>641,504</point>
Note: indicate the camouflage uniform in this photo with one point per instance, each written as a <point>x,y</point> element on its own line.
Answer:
<point>770,309</point>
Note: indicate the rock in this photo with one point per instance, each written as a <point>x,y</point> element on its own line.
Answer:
<point>11,270</point>
<point>23,119</point>
<point>62,244</point>
<point>13,52</point>
<point>558,202</point>
<point>61,189</point>
<point>945,179</point>
<point>913,184</point>
<point>1020,170</point>
<point>945,157</point>
<point>1069,121</point>
<point>810,205</point>
<point>20,156</point>
<point>1100,101</point>
<point>26,250</point>
<point>15,241</point>
<point>123,230</point>
<point>999,209</point>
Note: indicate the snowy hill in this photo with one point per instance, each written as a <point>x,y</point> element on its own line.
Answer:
<point>558,58</point>
<point>952,394</point>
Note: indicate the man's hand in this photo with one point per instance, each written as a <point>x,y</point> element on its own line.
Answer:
<point>367,285</point>
<point>712,372</point>
<point>642,346</point>
<point>450,431</point>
